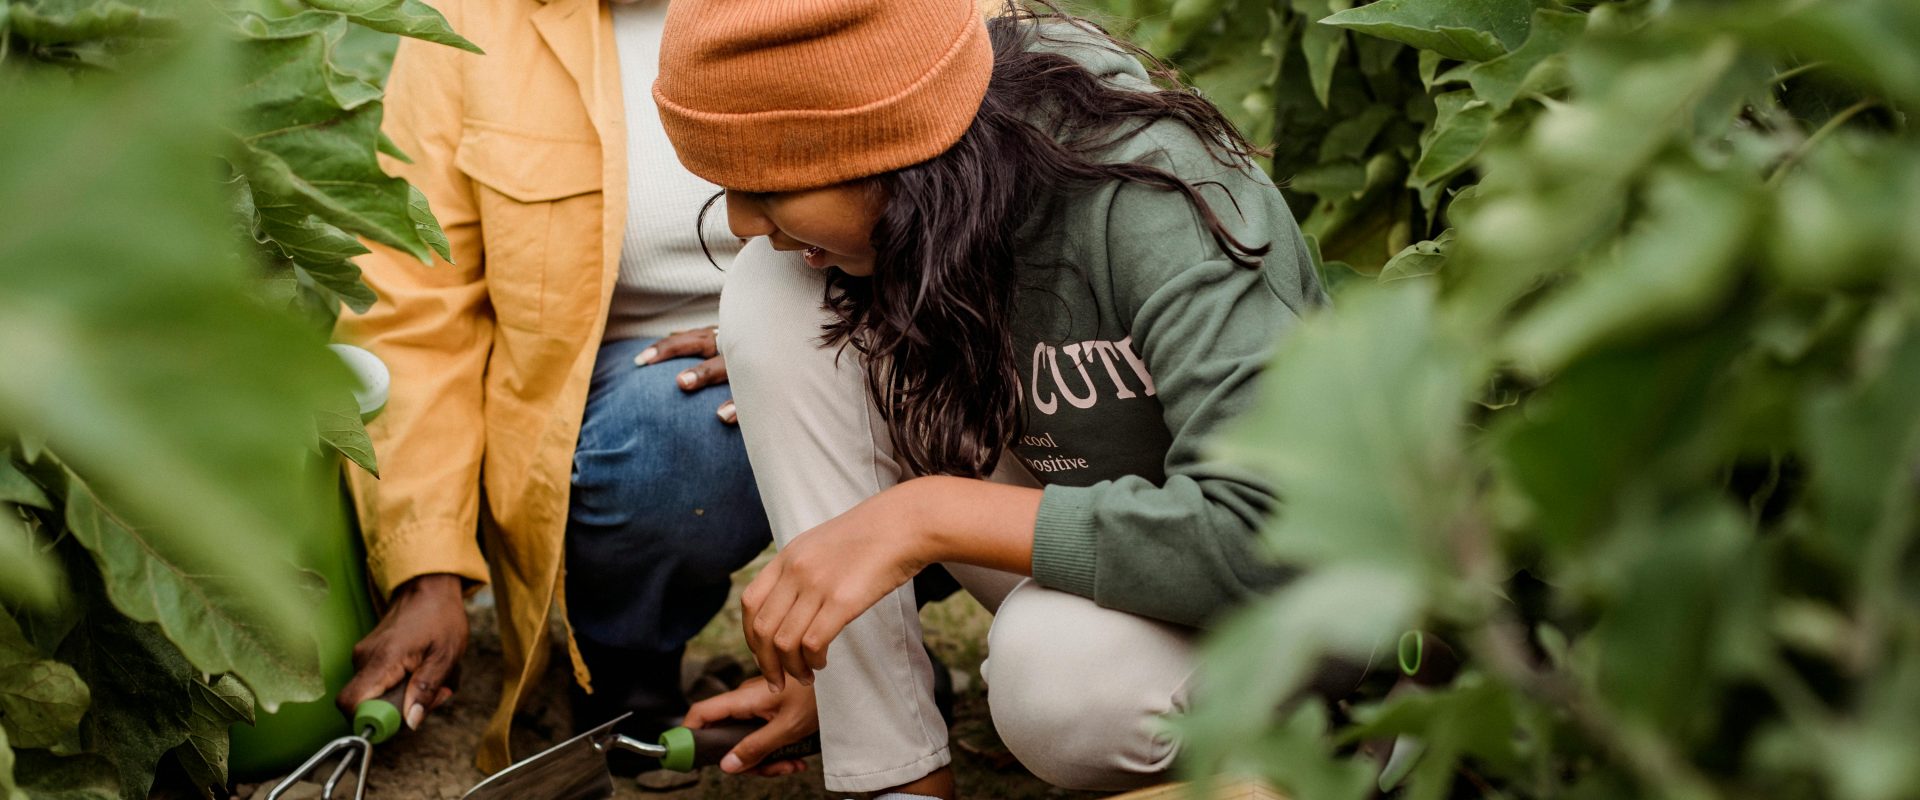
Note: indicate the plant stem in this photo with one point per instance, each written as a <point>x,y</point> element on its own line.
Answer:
<point>1825,130</point>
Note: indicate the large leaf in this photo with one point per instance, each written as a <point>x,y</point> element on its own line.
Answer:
<point>312,132</point>
<point>1470,30</point>
<point>1402,387</point>
<point>155,371</point>
<point>205,610</point>
<point>140,691</point>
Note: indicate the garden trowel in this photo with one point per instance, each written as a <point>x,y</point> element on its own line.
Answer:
<point>576,769</point>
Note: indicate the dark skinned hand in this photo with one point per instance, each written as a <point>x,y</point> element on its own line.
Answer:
<point>697,343</point>
<point>419,640</point>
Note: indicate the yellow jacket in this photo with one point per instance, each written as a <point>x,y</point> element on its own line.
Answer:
<point>522,156</point>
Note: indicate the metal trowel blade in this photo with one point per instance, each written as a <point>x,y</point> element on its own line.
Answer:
<point>575,769</point>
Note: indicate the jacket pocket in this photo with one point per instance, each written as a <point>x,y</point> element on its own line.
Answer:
<point>539,199</point>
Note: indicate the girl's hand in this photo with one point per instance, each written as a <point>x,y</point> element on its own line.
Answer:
<point>825,578</point>
<point>697,343</point>
<point>791,715</point>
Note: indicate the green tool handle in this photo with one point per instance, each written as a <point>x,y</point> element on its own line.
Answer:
<point>380,718</point>
<point>689,749</point>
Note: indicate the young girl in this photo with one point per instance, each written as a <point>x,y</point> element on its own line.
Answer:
<point>1026,250</point>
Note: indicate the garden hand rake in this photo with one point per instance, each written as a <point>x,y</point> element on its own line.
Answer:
<point>375,721</point>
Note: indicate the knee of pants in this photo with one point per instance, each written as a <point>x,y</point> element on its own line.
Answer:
<point>1068,699</point>
<point>659,495</point>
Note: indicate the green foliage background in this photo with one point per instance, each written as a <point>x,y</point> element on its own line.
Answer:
<point>183,184</point>
<point>1621,395</point>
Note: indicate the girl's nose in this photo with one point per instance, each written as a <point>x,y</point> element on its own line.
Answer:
<point>747,216</point>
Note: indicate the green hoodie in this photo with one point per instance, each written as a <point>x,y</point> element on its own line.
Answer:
<point>1139,339</point>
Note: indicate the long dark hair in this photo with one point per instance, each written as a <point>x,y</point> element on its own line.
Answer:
<point>934,320</point>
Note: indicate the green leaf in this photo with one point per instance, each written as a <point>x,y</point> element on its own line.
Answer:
<point>1469,30</point>
<point>1462,127</point>
<point>426,226</point>
<point>404,17</point>
<point>1321,44</point>
<point>1864,442</point>
<point>1359,425</point>
<point>1499,81</point>
<point>41,700</point>
<point>208,613</point>
<point>43,776</point>
<point>341,429</point>
<point>17,488</point>
<point>28,576</point>
<point>1677,264</point>
<point>214,710</point>
<point>1419,259</point>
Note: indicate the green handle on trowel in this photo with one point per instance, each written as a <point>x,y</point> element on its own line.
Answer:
<point>379,719</point>
<point>689,749</point>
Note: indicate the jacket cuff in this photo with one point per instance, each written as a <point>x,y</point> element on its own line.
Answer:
<point>407,553</point>
<point>1064,540</point>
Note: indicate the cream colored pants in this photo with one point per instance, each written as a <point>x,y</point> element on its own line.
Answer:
<point>1075,689</point>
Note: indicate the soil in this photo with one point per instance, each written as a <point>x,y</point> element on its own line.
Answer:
<point>436,762</point>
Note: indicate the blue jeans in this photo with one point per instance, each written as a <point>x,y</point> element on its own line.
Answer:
<point>663,510</point>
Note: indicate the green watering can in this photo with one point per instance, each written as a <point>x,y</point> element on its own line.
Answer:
<point>279,741</point>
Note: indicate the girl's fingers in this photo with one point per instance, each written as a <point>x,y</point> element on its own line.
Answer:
<point>700,343</point>
<point>728,413</point>
<point>827,624</point>
<point>786,640</point>
<point>779,769</point>
<point>711,372</point>
<point>764,620</point>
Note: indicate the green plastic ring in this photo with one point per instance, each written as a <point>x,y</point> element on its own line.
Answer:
<point>1412,648</point>
<point>377,718</point>
<point>680,747</point>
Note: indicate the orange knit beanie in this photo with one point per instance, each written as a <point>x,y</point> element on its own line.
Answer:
<point>772,96</point>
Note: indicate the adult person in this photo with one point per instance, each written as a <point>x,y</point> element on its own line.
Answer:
<point>1036,264</point>
<point>541,395</point>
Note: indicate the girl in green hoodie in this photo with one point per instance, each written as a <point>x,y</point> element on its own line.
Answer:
<point>1047,280</point>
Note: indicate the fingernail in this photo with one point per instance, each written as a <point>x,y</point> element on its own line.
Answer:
<point>727,412</point>
<point>730,763</point>
<point>686,379</point>
<point>415,715</point>
<point>646,356</point>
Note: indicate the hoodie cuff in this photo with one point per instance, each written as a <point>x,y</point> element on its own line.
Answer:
<point>1064,540</point>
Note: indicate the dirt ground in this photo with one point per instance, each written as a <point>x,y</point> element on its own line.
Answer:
<point>436,762</point>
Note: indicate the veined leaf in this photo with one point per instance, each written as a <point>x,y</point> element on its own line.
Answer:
<point>424,223</point>
<point>215,708</point>
<point>1462,127</point>
<point>28,576</point>
<point>216,625</point>
<point>1499,81</point>
<point>404,17</point>
<point>341,429</point>
<point>140,696</point>
<point>1321,44</point>
<point>41,700</point>
<point>44,776</point>
<point>1469,30</point>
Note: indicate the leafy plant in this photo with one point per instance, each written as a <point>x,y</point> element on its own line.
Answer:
<point>184,184</point>
<point>1636,427</point>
